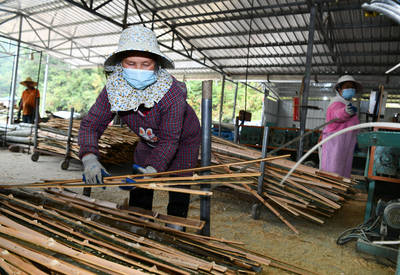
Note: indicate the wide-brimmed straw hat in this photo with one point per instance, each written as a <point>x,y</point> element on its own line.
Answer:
<point>139,38</point>
<point>27,81</point>
<point>345,78</point>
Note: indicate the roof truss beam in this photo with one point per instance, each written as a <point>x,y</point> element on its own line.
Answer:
<point>294,43</point>
<point>188,47</point>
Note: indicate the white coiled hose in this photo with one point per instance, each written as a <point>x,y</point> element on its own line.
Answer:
<point>355,127</point>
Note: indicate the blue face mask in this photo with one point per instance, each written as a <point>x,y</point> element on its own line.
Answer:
<point>139,79</point>
<point>348,93</point>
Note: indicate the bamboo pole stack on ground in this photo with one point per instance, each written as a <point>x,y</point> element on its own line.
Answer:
<point>61,232</point>
<point>309,193</point>
<point>116,145</point>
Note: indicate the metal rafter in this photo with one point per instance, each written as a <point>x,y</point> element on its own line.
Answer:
<point>301,55</point>
<point>182,39</point>
<point>295,43</point>
<point>294,65</point>
<point>176,33</point>
<point>371,53</point>
<point>328,36</point>
<point>45,47</point>
<point>231,34</point>
<point>183,4</point>
<point>222,12</point>
<point>259,13</point>
<point>8,19</point>
<point>102,5</point>
<point>94,12</point>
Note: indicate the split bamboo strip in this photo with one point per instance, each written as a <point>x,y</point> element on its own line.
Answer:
<point>128,217</point>
<point>9,268</point>
<point>195,179</point>
<point>102,242</point>
<point>271,208</point>
<point>45,260</point>
<point>197,169</point>
<point>301,187</point>
<point>51,244</point>
<point>250,190</point>
<point>169,219</point>
<point>283,205</point>
<point>25,266</point>
<point>310,193</point>
<point>80,199</point>
<point>62,217</point>
<point>69,237</point>
<point>213,265</point>
<point>308,216</point>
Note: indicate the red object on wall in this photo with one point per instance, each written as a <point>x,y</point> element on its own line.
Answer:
<point>296,108</point>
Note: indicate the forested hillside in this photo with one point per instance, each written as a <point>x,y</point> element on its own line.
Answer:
<point>75,87</point>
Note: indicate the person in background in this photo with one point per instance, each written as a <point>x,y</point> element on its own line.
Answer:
<point>27,104</point>
<point>337,153</point>
<point>153,105</point>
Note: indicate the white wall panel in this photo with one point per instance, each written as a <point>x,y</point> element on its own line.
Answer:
<point>314,117</point>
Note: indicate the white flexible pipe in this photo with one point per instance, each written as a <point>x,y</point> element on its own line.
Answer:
<point>391,10</point>
<point>355,127</point>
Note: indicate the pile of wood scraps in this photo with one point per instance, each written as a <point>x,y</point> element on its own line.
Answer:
<point>116,145</point>
<point>61,232</point>
<point>309,193</point>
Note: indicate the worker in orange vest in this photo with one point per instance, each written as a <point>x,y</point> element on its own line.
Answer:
<point>28,101</point>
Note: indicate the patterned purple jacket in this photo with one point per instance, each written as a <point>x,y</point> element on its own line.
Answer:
<point>170,131</point>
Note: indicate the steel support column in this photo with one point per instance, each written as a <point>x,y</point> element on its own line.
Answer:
<point>206,113</point>
<point>304,99</point>
<point>221,105</point>
<point>234,102</point>
<point>14,76</point>
<point>46,72</point>
<point>265,102</point>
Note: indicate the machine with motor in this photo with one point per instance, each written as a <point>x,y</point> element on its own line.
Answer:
<point>390,219</point>
<point>382,213</point>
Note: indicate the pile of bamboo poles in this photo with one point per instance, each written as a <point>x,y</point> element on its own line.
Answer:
<point>62,232</point>
<point>116,145</point>
<point>309,193</point>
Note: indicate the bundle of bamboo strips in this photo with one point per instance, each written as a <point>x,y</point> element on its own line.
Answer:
<point>308,193</point>
<point>57,231</point>
<point>116,145</point>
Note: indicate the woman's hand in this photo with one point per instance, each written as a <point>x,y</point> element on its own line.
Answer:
<point>93,171</point>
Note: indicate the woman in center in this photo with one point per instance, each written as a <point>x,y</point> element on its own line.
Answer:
<point>153,105</point>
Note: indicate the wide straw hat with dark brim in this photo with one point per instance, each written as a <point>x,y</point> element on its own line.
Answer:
<point>139,38</point>
<point>27,81</point>
<point>346,78</point>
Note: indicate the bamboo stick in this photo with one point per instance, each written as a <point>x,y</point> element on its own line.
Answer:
<point>113,246</point>
<point>25,266</point>
<point>271,208</point>
<point>301,187</point>
<point>137,183</point>
<point>9,268</point>
<point>282,204</point>
<point>175,171</point>
<point>51,244</point>
<point>45,260</point>
<point>72,232</point>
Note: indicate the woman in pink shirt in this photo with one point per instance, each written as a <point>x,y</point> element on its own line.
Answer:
<point>337,153</point>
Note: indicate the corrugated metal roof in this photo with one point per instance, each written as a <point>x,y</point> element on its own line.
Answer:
<point>264,38</point>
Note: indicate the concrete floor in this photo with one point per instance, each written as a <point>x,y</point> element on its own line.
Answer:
<point>315,248</point>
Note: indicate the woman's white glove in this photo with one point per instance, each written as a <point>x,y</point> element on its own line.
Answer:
<point>93,171</point>
<point>147,170</point>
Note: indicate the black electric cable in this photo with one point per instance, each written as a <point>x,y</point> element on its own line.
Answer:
<point>365,231</point>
